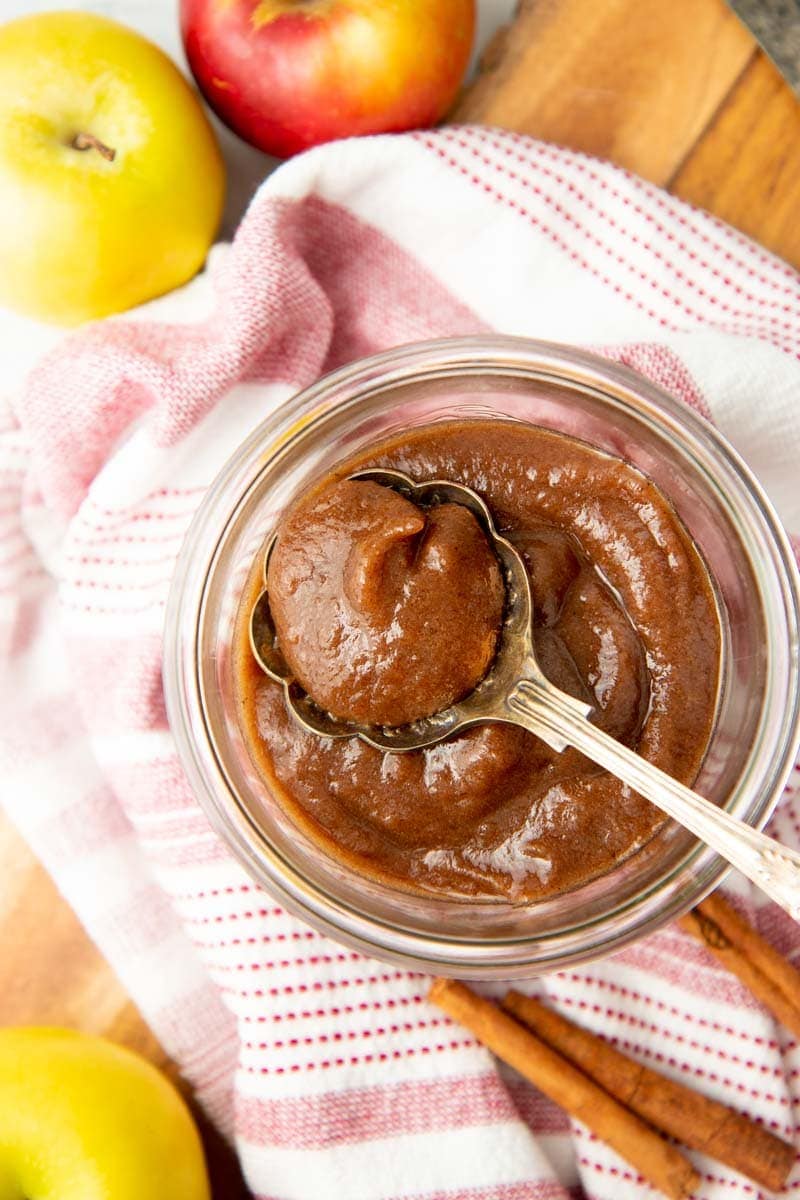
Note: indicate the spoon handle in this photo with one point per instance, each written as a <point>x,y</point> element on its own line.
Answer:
<point>558,720</point>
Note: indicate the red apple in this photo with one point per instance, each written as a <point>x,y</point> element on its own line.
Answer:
<point>289,74</point>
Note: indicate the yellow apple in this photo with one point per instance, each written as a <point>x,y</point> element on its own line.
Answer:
<point>111,179</point>
<point>83,1119</point>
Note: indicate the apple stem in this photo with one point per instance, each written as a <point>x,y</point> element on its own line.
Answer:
<point>87,141</point>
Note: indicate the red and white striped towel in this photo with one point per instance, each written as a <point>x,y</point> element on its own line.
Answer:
<point>332,1073</point>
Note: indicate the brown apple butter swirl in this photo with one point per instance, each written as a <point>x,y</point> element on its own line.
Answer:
<point>388,612</point>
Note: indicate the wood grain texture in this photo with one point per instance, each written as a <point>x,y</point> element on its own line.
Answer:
<point>676,92</point>
<point>746,167</point>
<point>51,974</point>
<point>633,82</point>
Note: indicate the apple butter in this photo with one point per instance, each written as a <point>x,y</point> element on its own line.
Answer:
<point>369,596</point>
<point>386,612</point>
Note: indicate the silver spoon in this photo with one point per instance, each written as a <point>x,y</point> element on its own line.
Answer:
<point>516,691</point>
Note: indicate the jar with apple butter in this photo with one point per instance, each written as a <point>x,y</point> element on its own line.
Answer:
<point>386,612</point>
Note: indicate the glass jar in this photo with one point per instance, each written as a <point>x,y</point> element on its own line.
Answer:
<point>757,730</point>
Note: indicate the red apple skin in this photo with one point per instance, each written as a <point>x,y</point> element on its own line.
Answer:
<point>289,74</point>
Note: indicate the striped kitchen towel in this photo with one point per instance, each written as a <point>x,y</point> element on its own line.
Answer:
<point>333,1075</point>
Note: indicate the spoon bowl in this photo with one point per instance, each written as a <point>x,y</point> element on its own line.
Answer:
<point>514,660</point>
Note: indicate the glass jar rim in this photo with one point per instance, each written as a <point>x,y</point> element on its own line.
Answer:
<point>493,355</point>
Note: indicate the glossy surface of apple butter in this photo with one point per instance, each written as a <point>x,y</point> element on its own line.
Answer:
<point>624,617</point>
<point>370,597</point>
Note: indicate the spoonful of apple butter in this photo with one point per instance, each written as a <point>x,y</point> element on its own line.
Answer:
<point>395,612</point>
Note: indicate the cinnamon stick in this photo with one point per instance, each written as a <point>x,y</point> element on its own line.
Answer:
<point>658,1161</point>
<point>691,1118</point>
<point>773,980</point>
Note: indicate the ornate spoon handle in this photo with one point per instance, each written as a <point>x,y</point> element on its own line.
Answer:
<point>559,720</point>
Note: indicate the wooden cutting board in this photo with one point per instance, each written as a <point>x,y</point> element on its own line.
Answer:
<point>676,91</point>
